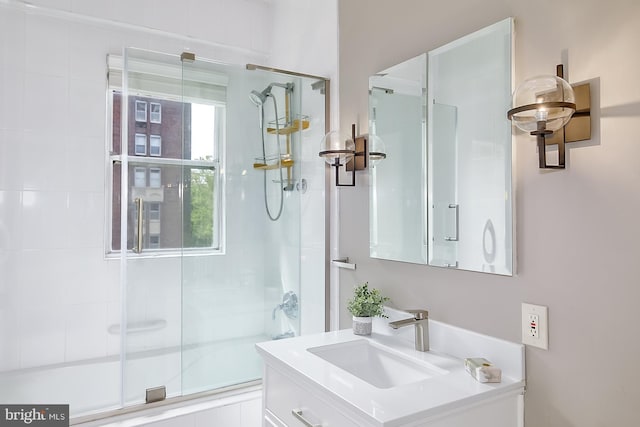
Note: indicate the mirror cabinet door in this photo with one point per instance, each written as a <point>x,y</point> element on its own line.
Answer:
<point>398,180</point>
<point>442,195</point>
<point>469,92</point>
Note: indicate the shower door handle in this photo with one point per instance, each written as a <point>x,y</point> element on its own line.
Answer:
<point>137,248</point>
<point>455,238</point>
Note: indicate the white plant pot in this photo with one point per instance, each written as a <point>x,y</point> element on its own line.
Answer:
<point>362,325</point>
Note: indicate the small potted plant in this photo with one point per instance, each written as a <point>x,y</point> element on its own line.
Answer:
<point>365,304</point>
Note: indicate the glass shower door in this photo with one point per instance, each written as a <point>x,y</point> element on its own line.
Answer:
<point>214,205</point>
<point>152,191</point>
<point>248,290</point>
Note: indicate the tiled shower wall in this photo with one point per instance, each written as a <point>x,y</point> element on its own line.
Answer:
<point>59,293</point>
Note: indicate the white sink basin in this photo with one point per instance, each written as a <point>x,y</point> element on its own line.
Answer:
<point>375,364</point>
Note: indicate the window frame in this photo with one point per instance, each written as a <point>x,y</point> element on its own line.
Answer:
<point>153,171</point>
<point>143,119</point>
<point>151,112</point>
<point>212,92</point>
<point>143,171</point>
<point>136,145</point>
<point>153,138</point>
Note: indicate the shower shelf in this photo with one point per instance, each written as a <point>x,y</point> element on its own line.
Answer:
<point>295,126</point>
<point>272,163</point>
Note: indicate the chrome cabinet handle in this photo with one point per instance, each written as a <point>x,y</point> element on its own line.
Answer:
<point>457,208</point>
<point>138,246</point>
<point>298,414</point>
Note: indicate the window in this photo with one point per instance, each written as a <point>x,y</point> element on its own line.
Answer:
<point>155,178</point>
<point>154,241</point>
<point>155,145</point>
<point>141,111</point>
<point>141,144</point>
<point>173,169</point>
<point>154,211</point>
<point>156,112</point>
<point>139,177</point>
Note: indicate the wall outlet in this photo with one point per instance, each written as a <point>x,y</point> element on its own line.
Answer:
<point>532,329</point>
<point>535,325</point>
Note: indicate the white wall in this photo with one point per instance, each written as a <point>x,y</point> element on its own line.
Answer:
<point>577,229</point>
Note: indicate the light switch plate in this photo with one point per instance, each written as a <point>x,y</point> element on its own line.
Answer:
<point>535,325</point>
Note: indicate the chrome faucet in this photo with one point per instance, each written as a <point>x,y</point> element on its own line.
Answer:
<point>421,321</point>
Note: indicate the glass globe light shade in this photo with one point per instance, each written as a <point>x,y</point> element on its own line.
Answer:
<point>333,146</point>
<point>377,150</point>
<point>548,99</point>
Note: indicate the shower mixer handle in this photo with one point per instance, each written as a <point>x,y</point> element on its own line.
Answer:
<point>289,306</point>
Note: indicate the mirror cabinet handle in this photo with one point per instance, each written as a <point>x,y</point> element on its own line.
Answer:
<point>457,208</point>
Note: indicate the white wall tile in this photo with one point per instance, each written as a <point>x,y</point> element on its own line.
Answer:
<point>44,218</point>
<point>87,110</point>
<point>11,167</point>
<point>85,337</point>
<point>12,81</point>
<point>12,49</point>
<point>88,47</point>
<point>113,318</point>
<point>85,157</point>
<point>46,102</point>
<point>10,227</point>
<point>43,161</point>
<point>9,335</point>
<point>85,214</point>
<point>42,335</point>
<point>47,46</point>
<point>43,277</point>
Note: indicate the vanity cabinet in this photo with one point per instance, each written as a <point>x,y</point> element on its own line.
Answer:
<point>283,396</point>
<point>302,389</point>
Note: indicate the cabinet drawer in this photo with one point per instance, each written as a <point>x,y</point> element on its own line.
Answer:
<point>283,397</point>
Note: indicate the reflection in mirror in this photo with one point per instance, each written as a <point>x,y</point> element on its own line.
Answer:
<point>446,203</point>
<point>469,90</point>
<point>397,115</point>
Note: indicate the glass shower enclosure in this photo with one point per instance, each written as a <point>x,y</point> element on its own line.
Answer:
<point>209,201</point>
<point>214,237</point>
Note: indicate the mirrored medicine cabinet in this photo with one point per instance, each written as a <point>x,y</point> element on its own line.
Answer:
<point>442,196</point>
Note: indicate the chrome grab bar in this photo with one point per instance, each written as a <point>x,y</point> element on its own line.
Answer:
<point>138,246</point>
<point>457,208</point>
<point>298,414</point>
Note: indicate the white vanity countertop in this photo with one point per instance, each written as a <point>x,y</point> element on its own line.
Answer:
<point>418,400</point>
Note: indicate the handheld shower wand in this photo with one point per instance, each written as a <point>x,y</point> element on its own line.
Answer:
<point>259,99</point>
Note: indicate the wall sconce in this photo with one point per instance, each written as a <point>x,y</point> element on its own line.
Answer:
<point>349,152</point>
<point>544,105</point>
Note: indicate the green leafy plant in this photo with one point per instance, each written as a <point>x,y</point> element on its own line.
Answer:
<point>366,302</point>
